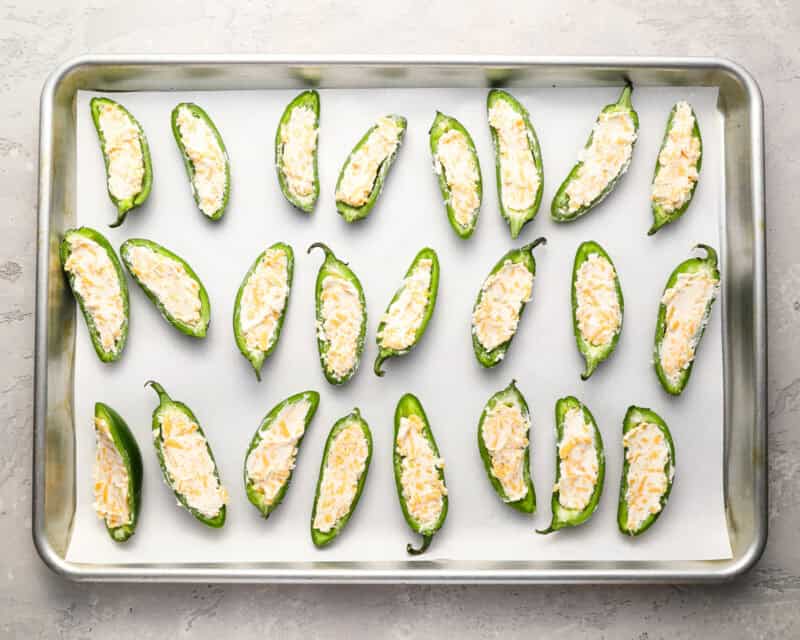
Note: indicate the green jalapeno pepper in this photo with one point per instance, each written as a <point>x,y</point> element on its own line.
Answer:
<point>510,407</point>
<point>257,352</point>
<point>123,201</point>
<point>693,267</point>
<point>389,345</point>
<point>124,443</point>
<point>165,411</point>
<point>351,212</point>
<point>636,417</point>
<point>564,515</point>
<point>206,208</point>
<point>343,279</point>
<point>663,215</point>
<point>410,410</point>
<point>196,329</point>
<point>356,447</point>
<point>560,210</point>
<point>106,353</point>
<point>490,355</point>
<point>594,354</point>
<point>276,421</point>
<point>305,201</point>
<point>462,221</point>
<point>516,218</point>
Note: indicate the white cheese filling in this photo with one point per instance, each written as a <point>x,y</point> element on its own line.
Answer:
<point>188,462</point>
<point>404,316</point>
<point>347,458</point>
<point>647,454</point>
<point>685,317</point>
<point>264,300</point>
<point>608,154</point>
<point>299,142</point>
<point>423,489</point>
<point>597,309</point>
<point>96,281</point>
<point>271,462</point>
<point>169,281</point>
<point>496,316</point>
<point>341,324</point>
<point>362,168</point>
<point>207,157</point>
<point>123,150</point>
<point>454,157</point>
<point>578,462</point>
<point>110,479</point>
<point>505,435</point>
<point>518,174</point>
<point>678,159</point>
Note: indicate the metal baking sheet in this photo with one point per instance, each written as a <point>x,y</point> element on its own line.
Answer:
<point>482,540</point>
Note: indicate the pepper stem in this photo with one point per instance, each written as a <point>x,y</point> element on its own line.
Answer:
<point>324,247</point>
<point>711,254</point>
<point>378,362</point>
<point>415,551</point>
<point>163,396</point>
<point>532,245</point>
<point>546,531</point>
<point>625,96</point>
<point>121,213</point>
<point>591,365</point>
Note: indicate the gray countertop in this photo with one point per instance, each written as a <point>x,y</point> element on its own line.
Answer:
<point>34,37</point>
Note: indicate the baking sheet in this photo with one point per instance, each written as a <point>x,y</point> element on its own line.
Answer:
<point>217,382</point>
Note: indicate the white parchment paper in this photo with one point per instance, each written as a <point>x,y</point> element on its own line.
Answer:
<point>217,382</point>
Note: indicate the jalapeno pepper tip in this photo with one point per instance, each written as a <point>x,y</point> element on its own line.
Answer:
<point>415,551</point>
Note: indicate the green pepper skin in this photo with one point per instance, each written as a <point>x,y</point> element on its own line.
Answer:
<point>198,112</point>
<point>433,290</point>
<point>253,495</point>
<point>350,213</point>
<point>64,253</point>
<point>634,417</point>
<point>205,305</point>
<point>409,405</point>
<point>591,354</point>
<point>309,99</point>
<point>320,538</point>
<point>128,449</point>
<point>124,206</point>
<point>257,360</point>
<point>692,265</point>
<point>563,517</point>
<point>516,219</point>
<point>332,266</point>
<point>660,216</point>
<point>441,125</point>
<point>164,401</point>
<point>524,256</point>
<point>559,210</point>
<point>511,395</point>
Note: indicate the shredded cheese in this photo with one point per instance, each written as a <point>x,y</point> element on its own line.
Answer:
<point>207,157</point>
<point>496,316</point>
<point>647,454</point>
<point>578,461</point>
<point>454,158</point>
<point>264,300</point>
<point>404,316</point>
<point>423,488</point>
<point>597,309</point>
<point>678,159</point>
<point>505,435</point>
<point>518,174</point>
<point>342,317</point>
<point>299,142</point>
<point>111,481</point>
<point>123,149</point>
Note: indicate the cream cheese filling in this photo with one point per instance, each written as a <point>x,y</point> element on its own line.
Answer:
<point>496,316</point>
<point>405,315</point>
<point>505,435</point>
<point>423,489</point>
<point>264,300</point>
<point>647,454</point>
<point>678,159</point>
<point>578,461</point>
<point>207,157</point>
<point>299,140</point>
<point>123,150</point>
<point>518,173</point>
<point>597,309</point>
<point>111,481</point>
<point>454,157</point>
<point>341,324</point>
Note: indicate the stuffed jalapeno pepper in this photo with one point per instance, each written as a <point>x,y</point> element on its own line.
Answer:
<point>296,152</point>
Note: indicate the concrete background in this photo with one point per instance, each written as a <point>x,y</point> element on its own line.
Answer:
<point>38,34</point>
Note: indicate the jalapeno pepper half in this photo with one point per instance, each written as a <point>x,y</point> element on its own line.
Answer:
<point>421,279</point>
<point>90,237</point>
<point>657,487</point>
<point>464,206</point>
<point>196,328</point>
<point>508,407</point>
<point>560,210</point>
<point>262,324</point>
<point>568,442</point>
<point>336,286</point>
<point>411,424</point>
<point>348,451</point>
<point>516,218</point>
<point>592,353</point>
<point>293,187</point>
<point>212,205</point>
<point>282,420</point>
<point>491,354</point>
<point>125,444</point>
<point>117,189</point>
<point>170,410</point>
<point>672,331</point>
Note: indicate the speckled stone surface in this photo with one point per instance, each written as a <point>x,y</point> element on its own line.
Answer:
<point>35,36</point>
